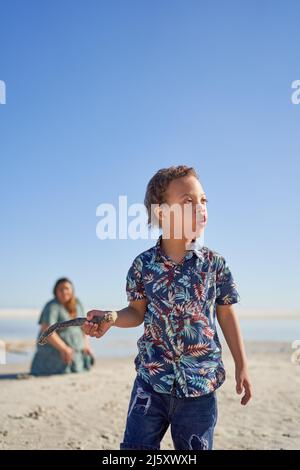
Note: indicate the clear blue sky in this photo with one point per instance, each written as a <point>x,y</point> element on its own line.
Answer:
<point>101,94</point>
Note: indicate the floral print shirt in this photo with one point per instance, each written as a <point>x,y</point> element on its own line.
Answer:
<point>180,348</point>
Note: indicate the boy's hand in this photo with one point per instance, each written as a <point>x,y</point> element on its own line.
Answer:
<point>243,383</point>
<point>93,329</point>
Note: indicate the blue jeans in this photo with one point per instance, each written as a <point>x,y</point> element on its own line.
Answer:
<point>192,419</point>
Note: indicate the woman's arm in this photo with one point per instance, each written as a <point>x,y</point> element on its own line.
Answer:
<point>55,340</point>
<point>86,344</point>
<point>231,330</point>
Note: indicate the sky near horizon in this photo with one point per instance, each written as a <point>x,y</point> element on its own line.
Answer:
<point>101,94</point>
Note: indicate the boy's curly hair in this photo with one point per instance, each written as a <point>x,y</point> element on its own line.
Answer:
<point>158,184</point>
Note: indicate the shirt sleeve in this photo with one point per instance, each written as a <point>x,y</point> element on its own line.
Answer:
<point>135,288</point>
<point>226,288</point>
<point>50,314</point>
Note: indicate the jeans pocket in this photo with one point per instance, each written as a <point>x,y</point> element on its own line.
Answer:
<point>206,405</point>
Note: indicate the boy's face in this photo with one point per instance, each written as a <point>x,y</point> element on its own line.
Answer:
<point>185,214</point>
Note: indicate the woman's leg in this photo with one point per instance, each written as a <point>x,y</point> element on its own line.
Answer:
<point>47,361</point>
<point>193,421</point>
<point>147,419</point>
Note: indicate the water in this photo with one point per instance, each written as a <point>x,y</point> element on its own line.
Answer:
<point>122,341</point>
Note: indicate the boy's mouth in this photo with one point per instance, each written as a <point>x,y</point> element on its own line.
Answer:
<point>202,220</point>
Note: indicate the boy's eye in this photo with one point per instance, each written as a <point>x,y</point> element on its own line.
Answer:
<point>204,200</point>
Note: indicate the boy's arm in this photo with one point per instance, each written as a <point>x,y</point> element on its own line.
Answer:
<point>231,330</point>
<point>133,315</point>
<point>128,317</point>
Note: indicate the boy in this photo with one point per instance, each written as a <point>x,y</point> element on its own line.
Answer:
<point>178,289</point>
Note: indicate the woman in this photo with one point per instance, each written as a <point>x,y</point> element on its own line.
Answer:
<point>67,350</point>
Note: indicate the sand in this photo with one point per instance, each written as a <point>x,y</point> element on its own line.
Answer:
<point>88,411</point>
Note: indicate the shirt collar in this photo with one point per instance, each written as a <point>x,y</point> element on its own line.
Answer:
<point>195,247</point>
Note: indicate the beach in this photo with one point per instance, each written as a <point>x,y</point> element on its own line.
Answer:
<point>88,410</point>
<point>150,169</point>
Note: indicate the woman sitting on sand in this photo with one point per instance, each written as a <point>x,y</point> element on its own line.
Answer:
<point>68,350</point>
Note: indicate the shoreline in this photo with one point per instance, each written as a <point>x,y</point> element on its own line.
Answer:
<point>252,347</point>
<point>26,349</point>
<point>242,312</point>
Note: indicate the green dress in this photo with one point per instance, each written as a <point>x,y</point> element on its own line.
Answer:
<point>47,359</point>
